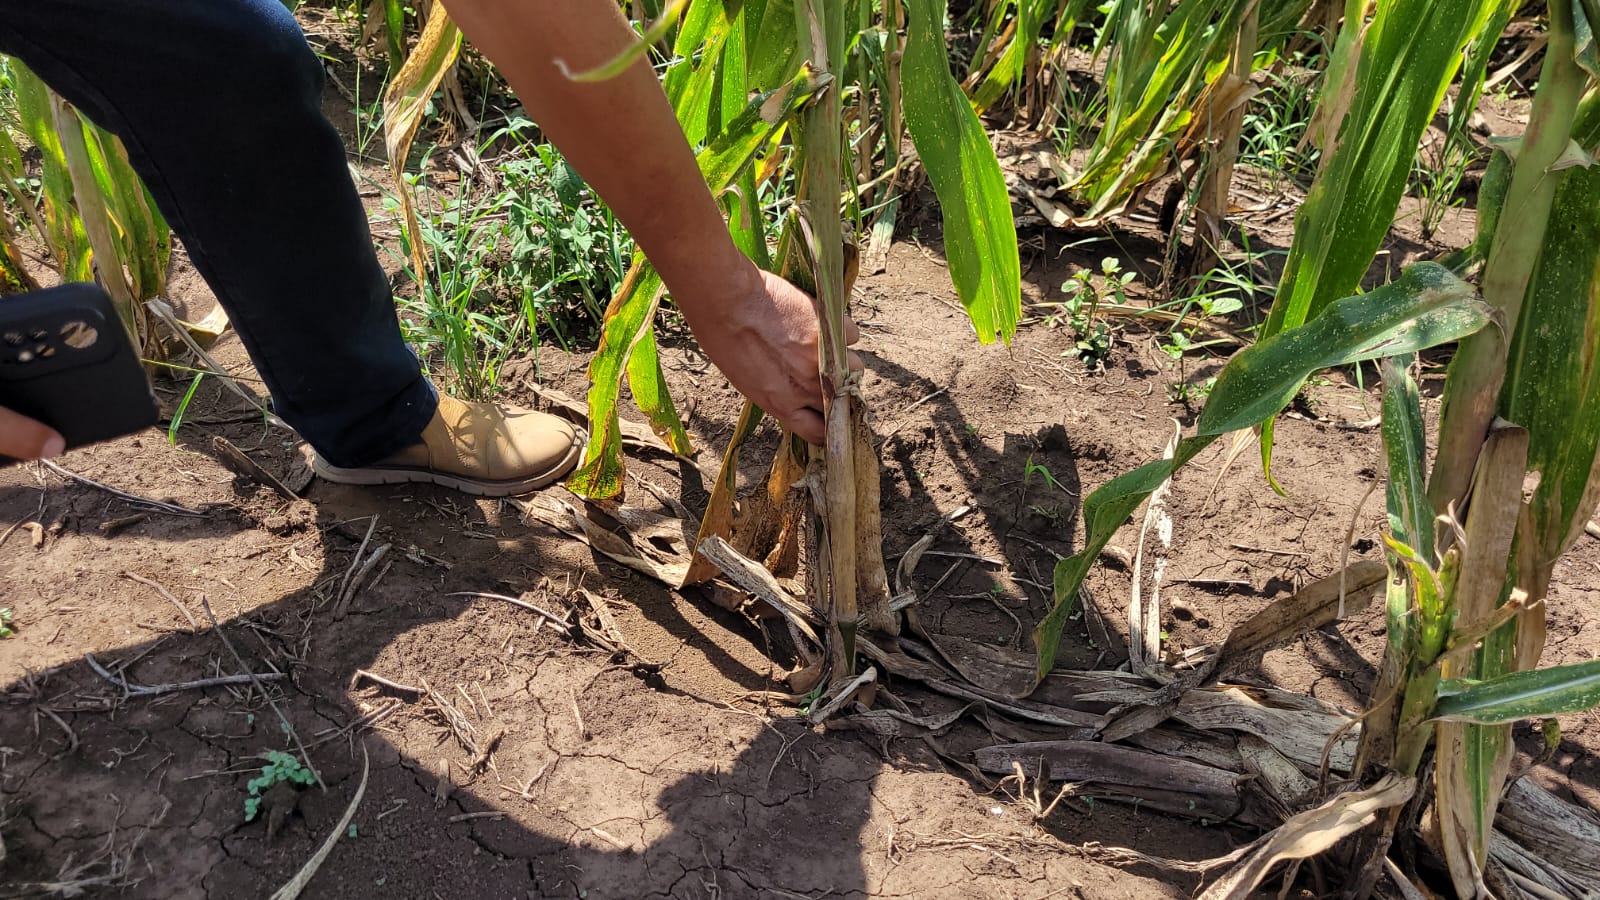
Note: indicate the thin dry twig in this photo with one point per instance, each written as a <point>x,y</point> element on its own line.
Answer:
<point>193,625</point>
<point>288,726</point>
<point>577,714</point>
<point>134,689</point>
<point>355,561</point>
<point>360,579</point>
<point>370,720</point>
<point>459,726</point>
<point>363,674</point>
<point>158,505</point>
<point>468,817</point>
<point>297,884</point>
<point>554,619</point>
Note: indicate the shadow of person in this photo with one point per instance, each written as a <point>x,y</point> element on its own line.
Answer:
<point>597,786</point>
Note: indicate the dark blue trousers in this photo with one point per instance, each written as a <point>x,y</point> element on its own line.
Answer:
<point>219,104</point>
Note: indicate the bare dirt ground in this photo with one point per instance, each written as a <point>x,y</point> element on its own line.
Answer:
<point>621,780</point>
<point>667,771</point>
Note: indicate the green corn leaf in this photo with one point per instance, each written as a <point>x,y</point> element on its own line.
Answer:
<point>649,386</point>
<point>628,319</point>
<point>729,95</point>
<point>1405,448</point>
<point>770,48</point>
<point>146,239</point>
<point>1538,694</point>
<point>68,240</point>
<point>700,22</point>
<point>1541,161</point>
<point>1425,307</point>
<point>1552,384</point>
<point>1476,62</point>
<point>979,235</point>
<point>1409,54</point>
<point>696,84</point>
<point>745,223</point>
<point>394,33</point>
<point>730,152</point>
<point>1007,70</point>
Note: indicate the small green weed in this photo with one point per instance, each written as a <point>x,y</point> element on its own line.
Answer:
<point>5,623</point>
<point>1091,334</point>
<point>537,254</point>
<point>1188,393</point>
<point>1436,176</point>
<point>280,767</point>
<point>1272,136</point>
<point>1054,513</point>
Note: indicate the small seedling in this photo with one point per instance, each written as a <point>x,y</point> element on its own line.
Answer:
<point>1091,334</point>
<point>280,768</point>
<point>1031,468</point>
<point>1188,393</point>
<point>5,623</point>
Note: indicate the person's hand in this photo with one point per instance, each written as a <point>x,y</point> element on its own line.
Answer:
<point>764,339</point>
<point>23,438</point>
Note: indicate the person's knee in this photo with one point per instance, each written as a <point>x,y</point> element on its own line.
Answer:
<point>267,56</point>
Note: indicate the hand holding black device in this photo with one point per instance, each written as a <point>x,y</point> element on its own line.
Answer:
<point>66,361</point>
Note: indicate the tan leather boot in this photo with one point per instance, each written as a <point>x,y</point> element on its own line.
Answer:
<point>478,448</point>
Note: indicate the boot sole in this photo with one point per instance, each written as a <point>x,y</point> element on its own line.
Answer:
<point>478,487</point>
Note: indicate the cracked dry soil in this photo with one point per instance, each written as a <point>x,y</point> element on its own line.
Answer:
<point>612,780</point>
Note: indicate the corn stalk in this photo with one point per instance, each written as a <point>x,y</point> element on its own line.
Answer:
<point>94,214</point>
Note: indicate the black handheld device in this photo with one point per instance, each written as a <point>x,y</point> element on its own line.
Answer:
<point>66,361</point>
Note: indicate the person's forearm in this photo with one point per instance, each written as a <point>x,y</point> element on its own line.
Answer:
<point>620,134</point>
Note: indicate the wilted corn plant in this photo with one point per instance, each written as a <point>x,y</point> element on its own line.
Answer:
<point>92,213</point>
<point>1472,545</point>
<point>800,64</point>
<point>762,86</point>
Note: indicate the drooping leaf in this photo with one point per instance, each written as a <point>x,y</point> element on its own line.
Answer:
<point>1408,55</point>
<point>405,101</point>
<point>649,35</point>
<point>1537,694</point>
<point>1161,56</point>
<point>631,312</point>
<point>1425,307</point>
<point>145,238</point>
<point>627,319</point>
<point>649,387</point>
<point>66,236</point>
<point>980,239</point>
